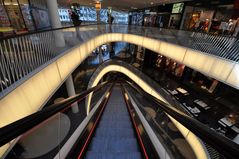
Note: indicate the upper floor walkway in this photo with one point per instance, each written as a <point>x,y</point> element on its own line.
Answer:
<point>24,55</point>
<point>42,61</point>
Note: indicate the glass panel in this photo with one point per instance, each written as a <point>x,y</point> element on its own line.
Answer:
<point>48,138</point>
<point>167,133</point>
<point>25,8</point>
<point>15,15</point>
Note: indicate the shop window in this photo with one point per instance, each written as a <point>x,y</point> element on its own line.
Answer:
<point>15,14</point>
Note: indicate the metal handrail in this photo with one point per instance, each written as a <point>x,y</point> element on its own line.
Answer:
<point>220,143</point>
<point>17,128</point>
<point>41,31</point>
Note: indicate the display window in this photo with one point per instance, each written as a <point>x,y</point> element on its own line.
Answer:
<point>19,14</point>
<point>15,15</point>
<point>25,9</point>
<point>4,20</point>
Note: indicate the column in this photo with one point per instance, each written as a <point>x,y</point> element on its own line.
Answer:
<point>98,16</point>
<point>71,92</point>
<point>55,22</point>
<point>109,15</point>
<point>101,59</point>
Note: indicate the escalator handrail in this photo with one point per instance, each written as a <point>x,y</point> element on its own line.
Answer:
<point>17,128</point>
<point>222,144</point>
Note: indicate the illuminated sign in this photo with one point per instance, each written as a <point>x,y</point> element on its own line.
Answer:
<point>98,6</point>
<point>177,8</point>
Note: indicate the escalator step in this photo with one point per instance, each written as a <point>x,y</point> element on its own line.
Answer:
<point>115,132</point>
<point>114,144</point>
<point>110,117</point>
<point>115,124</point>
<point>109,155</point>
<point>115,119</point>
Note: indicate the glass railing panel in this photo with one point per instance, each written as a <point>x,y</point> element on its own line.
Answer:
<point>166,132</point>
<point>177,144</point>
<point>24,54</point>
<point>47,139</point>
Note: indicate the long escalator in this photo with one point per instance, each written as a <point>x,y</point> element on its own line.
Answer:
<point>114,137</point>
<point>123,124</point>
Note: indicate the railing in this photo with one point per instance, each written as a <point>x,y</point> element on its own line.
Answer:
<point>56,123</point>
<point>207,135</point>
<point>229,148</point>
<point>155,121</point>
<point>17,128</point>
<point>23,55</point>
<point>223,46</point>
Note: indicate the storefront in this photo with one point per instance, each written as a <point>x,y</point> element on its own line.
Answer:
<point>18,12</point>
<point>23,15</point>
<point>196,18</point>
<point>136,18</point>
<point>5,25</point>
<point>164,16</point>
<point>213,17</point>
<point>40,14</point>
<point>170,66</point>
<point>175,17</point>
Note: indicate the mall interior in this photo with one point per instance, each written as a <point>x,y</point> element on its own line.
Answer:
<point>119,79</point>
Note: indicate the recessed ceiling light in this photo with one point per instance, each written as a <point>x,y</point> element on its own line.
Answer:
<point>151,3</point>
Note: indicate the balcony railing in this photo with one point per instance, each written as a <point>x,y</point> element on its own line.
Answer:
<point>23,55</point>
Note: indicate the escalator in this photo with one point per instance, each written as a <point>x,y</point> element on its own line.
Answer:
<point>114,136</point>
<point>124,122</point>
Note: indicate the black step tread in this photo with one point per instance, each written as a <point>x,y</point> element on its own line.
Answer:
<point>114,144</point>
<point>113,155</point>
<point>115,132</point>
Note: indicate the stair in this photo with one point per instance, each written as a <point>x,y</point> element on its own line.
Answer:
<point>114,137</point>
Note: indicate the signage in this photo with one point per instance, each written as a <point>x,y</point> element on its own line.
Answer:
<point>177,8</point>
<point>98,6</point>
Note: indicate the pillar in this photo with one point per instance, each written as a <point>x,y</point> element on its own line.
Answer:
<point>55,22</point>
<point>71,92</point>
<point>109,15</point>
<point>98,16</point>
<point>101,59</point>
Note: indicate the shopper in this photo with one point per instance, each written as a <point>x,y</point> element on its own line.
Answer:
<point>236,30</point>
<point>205,26</point>
<point>75,19</point>
<point>229,27</point>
